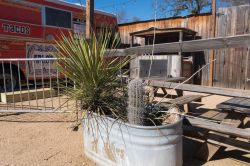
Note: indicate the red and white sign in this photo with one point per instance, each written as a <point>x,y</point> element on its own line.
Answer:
<point>19,29</point>
<point>38,51</point>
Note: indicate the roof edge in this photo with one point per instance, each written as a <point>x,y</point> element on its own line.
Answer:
<point>80,6</point>
<point>169,18</point>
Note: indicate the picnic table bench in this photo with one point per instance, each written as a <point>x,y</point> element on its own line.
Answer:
<point>215,135</point>
<point>166,79</point>
<point>222,131</point>
<point>231,115</point>
<point>237,104</point>
<point>182,100</point>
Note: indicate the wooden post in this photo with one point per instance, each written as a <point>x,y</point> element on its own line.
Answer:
<point>211,57</point>
<point>180,53</point>
<point>89,17</point>
<point>180,92</point>
<point>131,41</point>
<point>247,66</point>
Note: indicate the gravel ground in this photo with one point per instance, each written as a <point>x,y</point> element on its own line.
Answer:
<point>41,142</point>
<point>46,139</point>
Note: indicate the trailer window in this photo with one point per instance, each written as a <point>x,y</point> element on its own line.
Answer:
<point>57,18</point>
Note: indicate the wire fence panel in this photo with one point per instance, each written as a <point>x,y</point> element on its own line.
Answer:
<point>33,85</point>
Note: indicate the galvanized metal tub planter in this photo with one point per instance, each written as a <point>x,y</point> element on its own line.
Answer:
<point>113,143</point>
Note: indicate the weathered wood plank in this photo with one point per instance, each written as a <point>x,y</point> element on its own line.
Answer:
<point>193,46</point>
<point>33,111</point>
<point>17,96</point>
<point>220,128</point>
<point>184,99</point>
<point>247,69</point>
<point>232,122</point>
<point>191,22</point>
<point>203,89</point>
<point>225,141</point>
<point>168,79</point>
<point>217,139</point>
<point>186,46</point>
<point>208,149</point>
<point>238,104</point>
<point>214,115</point>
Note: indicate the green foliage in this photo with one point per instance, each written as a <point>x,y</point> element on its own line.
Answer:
<point>84,62</point>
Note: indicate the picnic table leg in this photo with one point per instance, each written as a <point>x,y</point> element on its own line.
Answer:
<point>155,89</point>
<point>187,108</point>
<point>179,92</point>
<point>164,91</point>
<point>208,149</point>
<point>151,94</point>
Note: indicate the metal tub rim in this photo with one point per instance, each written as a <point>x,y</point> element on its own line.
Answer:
<point>145,127</point>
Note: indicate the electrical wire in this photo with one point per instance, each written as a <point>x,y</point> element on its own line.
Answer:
<point>153,45</point>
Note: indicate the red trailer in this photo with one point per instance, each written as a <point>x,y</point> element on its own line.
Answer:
<point>28,29</point>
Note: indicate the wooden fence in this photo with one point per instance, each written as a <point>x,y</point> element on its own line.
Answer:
<point>230,69</point>
<point>200,24</point>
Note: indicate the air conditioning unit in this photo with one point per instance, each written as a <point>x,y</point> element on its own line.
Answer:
<point>162,66</point>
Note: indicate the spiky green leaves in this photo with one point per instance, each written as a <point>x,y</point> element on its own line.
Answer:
<point>85,63</point>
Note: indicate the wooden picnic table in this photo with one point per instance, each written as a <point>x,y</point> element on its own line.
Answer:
<point>166,79</point>
<point>223,132</point>
<point>181,100</point>
<point>215,133</point>
<point>237,104</point>
<point>226,131</point>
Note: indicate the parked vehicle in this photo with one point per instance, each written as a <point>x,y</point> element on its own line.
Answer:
<point>28,29</point>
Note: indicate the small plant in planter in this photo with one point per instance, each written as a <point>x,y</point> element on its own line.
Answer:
<point>119,125</point>
<point>94,75</point>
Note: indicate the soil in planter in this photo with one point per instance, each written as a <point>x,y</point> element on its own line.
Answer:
<point>155,115</point>
<point>160,115</point>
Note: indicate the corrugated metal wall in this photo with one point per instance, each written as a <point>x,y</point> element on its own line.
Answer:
<point>230,68</point>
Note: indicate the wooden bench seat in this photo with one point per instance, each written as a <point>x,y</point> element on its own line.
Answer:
<point>217,134</point>
<point>184,99</point>
<point>202,89</point>
<point>237,104</point>
<point>181,101</point>
<point>25,95</point>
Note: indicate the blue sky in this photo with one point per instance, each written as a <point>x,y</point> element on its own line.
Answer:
<point>133,10</point>
<point>141,9</point>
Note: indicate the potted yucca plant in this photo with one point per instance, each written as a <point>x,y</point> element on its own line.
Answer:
<point>117,121</point>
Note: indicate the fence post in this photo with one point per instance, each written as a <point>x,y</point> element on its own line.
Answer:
<point>247,66</point>
<point>211,57</point>
<point>89,17</point>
